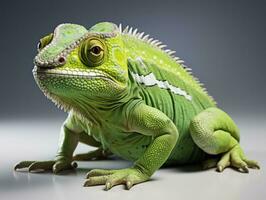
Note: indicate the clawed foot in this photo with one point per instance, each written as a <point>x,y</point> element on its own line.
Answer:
<point>236,159</point>
<point>55,166</point>
<point>110,178</point>
<point>98,154</point>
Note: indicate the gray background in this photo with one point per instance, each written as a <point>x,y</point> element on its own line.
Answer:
<point>222,41</point>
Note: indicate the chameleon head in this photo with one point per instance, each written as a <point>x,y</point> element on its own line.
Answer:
<point>74,62</point>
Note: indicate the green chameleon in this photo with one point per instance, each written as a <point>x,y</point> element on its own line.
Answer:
<point>129,96</point>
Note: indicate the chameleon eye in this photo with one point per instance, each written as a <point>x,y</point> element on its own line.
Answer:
<point>44,41</point>
<point>91,52</point>
<point>96,50</point>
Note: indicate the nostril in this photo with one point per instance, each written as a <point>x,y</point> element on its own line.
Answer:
<point>61,60</point>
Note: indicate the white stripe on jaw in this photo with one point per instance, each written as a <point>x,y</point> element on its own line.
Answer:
<point>71,72</point>
<point>150,80</point>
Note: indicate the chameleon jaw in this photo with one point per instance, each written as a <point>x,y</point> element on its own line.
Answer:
<point>40,74</point>
<point>93,74</point>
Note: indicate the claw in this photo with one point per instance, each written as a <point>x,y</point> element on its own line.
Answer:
<point>56,170</point>
<point>244,169</point>
<point>108,186</point>
<point>23,164</point>
<point>252,164</point>
<point>241,170</point>
<point>219,168</point>
<point>129,185</point>
<point>87,183</point>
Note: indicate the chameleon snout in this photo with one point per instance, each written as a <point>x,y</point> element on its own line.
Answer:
<point>59,61</point>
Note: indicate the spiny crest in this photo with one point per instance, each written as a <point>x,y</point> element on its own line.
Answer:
<point>158,44</point>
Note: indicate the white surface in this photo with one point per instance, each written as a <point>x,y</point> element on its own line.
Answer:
<point>37,140</point>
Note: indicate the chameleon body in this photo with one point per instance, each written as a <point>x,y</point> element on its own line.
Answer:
<point>129,96</point>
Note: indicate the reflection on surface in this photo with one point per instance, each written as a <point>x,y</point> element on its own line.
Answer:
<point>37,140</point>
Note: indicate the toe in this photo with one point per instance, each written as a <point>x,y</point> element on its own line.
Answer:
<point>224,162</point>
<point>62,165</point>
<point>245,168</point>
<point>98,172</point>
<point>236,158</point>
<point>240,165</point>
<point>128,176</point>
<point>98,180</point>
<point>252,163</point>
<point>132,180</point>
<point>108,185</point>
<point>45,165</point>
<point>23,164</point>
<point>112,181</point>
<point>129,184</point>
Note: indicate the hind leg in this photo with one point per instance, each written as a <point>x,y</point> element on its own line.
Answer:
<point>98,154</point>
<point>216,134</point>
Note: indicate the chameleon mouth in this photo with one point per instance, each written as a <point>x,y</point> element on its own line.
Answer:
<point>70,73</point>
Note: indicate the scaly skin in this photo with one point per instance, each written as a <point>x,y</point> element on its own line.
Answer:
<point>128,96</point>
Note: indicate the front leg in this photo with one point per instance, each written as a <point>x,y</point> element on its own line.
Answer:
<point>151,122</point>
<point>63,160</point>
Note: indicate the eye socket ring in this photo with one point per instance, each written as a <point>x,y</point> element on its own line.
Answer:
<point>92,52</point>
